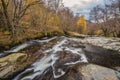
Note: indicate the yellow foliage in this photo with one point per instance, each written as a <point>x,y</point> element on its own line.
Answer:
<point>54,20</point>
<point>82,23</point>
<point>7,32</point>
<point>25,23</point>
<point>98,32</point>
<point>53,28</point>
<point>28,2</point>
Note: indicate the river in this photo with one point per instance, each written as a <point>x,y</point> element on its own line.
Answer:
<point>60,57</point>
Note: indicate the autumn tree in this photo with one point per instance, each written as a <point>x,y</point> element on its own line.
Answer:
<point>4,12</point>
<point>81,23</point>
<point>44,19</point>
<point>17,11</point>
<point>67,19</point>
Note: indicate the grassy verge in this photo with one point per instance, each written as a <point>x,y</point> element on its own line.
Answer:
<point>6,42</point>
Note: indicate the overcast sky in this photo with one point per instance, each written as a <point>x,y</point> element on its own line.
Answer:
<point>81,6</point>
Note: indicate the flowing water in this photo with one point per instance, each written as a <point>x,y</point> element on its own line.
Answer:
<point>50,59</point>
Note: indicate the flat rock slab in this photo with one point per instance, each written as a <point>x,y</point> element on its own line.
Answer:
<point>95,72</point>
<point>9,63</point>
<point>107,43</point>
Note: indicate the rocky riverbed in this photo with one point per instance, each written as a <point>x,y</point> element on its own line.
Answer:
<point>63,58</point>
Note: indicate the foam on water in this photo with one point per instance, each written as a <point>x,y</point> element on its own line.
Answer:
<point>53,68</point>
<point>27,44</point>
<point>49,60</point>
<point>39,67</point>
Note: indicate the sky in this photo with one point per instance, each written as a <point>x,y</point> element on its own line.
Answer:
<point>81,6</point>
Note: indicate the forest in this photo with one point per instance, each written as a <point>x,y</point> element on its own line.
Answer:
<point>29,19</point>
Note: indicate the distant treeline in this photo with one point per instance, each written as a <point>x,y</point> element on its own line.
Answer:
<point>106,19</point>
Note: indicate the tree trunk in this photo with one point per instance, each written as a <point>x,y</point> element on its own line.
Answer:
<point>6,15</point>
<point>118,34</point>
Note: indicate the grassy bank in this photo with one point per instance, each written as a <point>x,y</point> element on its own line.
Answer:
<point>6,42</point>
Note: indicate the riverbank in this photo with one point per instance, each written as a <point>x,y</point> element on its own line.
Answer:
<point>6,42</point>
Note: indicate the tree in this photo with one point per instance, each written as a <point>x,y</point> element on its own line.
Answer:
<point>5,12</point>
<point>54,5</point>
<point>107,17</point>
<point>82,24</point>
<point>18,10</point>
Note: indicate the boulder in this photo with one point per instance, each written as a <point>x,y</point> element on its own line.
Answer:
<point>101,56</point>
<point>10,63</point>
<point>95,72</point>
<point>13,57</point>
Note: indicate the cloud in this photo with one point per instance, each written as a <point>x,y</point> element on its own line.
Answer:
<point>78,4</point>
<point>81,6</point>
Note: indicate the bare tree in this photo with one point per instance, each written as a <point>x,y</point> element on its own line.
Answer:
<point>99,16</point>
<point>55,5</point>
<point>107,17</point>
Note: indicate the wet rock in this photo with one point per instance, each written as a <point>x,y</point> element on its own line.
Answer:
<point>65,61</point>
<point>84,72</point>
<point>56,64</point>
<point>102,56</point>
